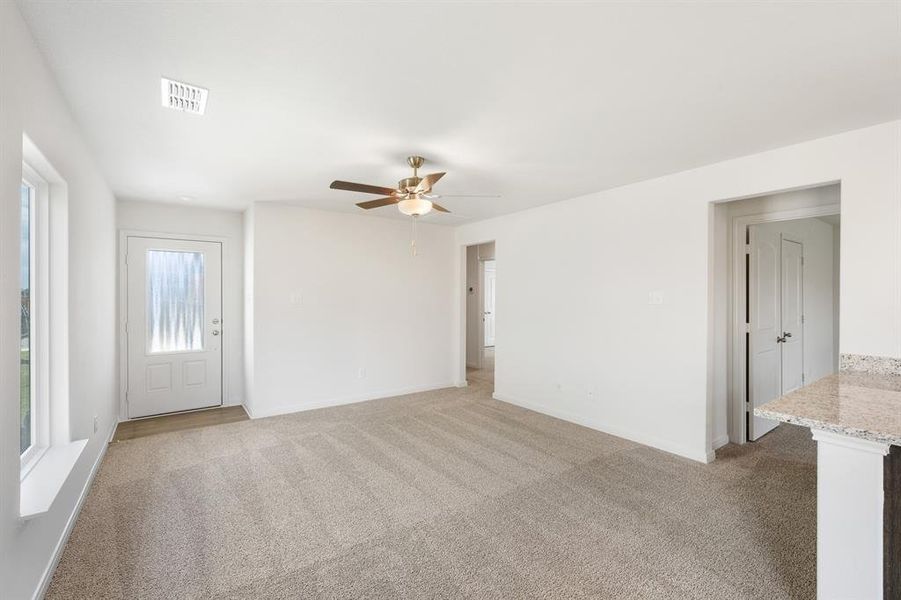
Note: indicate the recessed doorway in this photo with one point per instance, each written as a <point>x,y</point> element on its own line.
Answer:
<point>784,300</point>
<point>173,325</point>
<point>481,313</point>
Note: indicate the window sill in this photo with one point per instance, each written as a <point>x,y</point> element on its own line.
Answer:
<point>46,478</point>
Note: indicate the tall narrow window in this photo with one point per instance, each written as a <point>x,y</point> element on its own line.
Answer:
<point>26,277</point>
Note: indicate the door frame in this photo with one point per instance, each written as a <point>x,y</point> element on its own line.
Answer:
<point>122,311</point>
<point>463,313</point>
<point>737,423</point>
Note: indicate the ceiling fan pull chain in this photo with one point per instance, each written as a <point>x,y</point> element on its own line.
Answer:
<point>413,240</point>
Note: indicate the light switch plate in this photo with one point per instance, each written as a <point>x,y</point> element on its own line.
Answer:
<point>655,297</point>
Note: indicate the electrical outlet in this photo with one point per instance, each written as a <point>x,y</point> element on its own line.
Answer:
<point>96,423</point>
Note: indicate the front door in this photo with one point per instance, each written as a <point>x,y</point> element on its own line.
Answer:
<point>173,325</point>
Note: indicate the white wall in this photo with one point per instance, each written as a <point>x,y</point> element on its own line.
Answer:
<point>228,225</point>
<point>816,238</point>
<point>30,103</point>
<point>600,355</point>
<point>473,358</point>
<point>336,293</point>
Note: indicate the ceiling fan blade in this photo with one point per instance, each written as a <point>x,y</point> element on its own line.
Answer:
<point>439,208</point>
<point>377,203</point>
<point>362,187</point>
<point>468,196</point>
<point>428,181</point>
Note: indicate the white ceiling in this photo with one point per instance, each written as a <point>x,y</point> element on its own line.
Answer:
<point>537,102</point>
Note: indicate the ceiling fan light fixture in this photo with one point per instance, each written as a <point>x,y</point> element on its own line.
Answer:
<point>414,207</point>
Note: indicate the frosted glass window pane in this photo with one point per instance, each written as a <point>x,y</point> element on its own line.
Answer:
<point>174,301</point>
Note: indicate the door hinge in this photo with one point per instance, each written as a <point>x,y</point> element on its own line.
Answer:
<point>802,319</point>
<point>747,328</point>
<point>803,377</point>
<point>747,248</point>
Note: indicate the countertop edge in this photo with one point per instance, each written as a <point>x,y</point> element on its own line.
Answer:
<point>816,424</point>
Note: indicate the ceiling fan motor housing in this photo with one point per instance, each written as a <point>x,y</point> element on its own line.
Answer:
<point>408,184</point>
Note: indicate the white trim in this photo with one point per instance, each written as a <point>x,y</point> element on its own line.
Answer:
<point>47,575</point>
<point>720,442</point>
<point>38,491</point>
<point>464,317</point>
<point>225,315</point>
<point>737,424</point>
<point>656,443</point>
<point>40,251</point>
<point>850,442</point>
<point>285,409</point>
<point>29,459</point>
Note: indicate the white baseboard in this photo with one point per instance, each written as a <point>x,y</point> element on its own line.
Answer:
<point>303,406</point>
<point>716,444</point>
<point>70,523</point>
<point>659,444</point>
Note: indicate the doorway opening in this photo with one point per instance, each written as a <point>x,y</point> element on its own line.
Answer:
<point>782,320</point>
<point>481,313</point>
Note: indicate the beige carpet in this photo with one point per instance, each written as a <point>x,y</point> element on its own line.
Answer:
<point>446,494</point>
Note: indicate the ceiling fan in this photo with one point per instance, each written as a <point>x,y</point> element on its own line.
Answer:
<point>413,195</point>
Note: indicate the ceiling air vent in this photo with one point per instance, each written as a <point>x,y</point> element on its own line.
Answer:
<point>183,96</point>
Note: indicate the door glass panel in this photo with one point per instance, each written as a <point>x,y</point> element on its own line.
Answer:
<point>174,301</point>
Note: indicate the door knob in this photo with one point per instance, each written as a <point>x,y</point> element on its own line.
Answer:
<point>786,335</point>
<point>780,340</point>
<point>215,332</point>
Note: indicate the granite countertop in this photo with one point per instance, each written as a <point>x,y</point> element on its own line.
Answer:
<point>858,404</point>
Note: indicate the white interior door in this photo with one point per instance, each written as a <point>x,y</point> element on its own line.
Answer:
<point>764,310</point>
<point>488,310</point>
<point>792,316</point>
<point>173,325</point>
